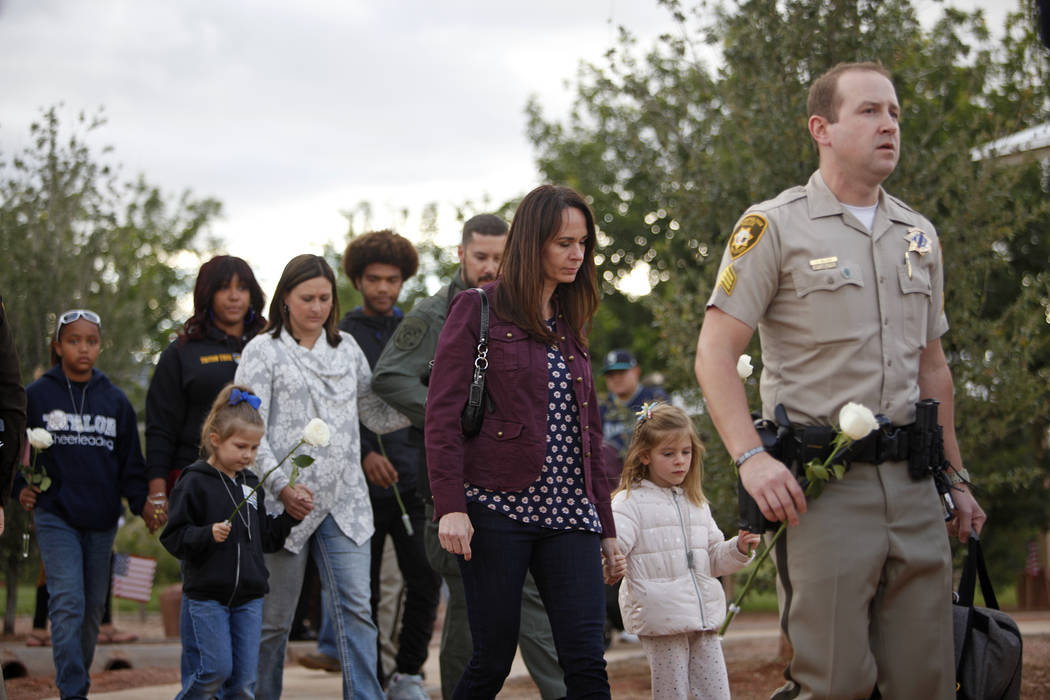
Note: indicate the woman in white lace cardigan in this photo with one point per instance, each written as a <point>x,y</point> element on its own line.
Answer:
<point>303,367</point>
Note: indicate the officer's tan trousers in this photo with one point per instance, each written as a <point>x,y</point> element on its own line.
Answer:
<point>864,583</point>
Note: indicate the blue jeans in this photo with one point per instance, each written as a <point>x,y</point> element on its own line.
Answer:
<point>343,567</point>
<point>76,563</point>
<point>191,655</point>
<point>326,633</point>
<point>568,571</point>
<point>221,646</point>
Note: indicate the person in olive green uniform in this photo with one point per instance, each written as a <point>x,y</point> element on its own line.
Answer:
<point>398,378</point>
<point>844,284</point>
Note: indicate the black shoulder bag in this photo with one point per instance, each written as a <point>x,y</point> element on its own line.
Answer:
<point>474,411</point>
<point>987,641</point>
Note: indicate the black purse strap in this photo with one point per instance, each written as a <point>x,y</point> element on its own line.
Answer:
<point>481,359</point>
<point>974,570</point>
<point>483,336</point>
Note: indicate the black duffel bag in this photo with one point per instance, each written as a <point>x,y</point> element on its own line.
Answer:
<point>987,641</point>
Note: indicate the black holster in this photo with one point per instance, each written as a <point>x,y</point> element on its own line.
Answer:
<point>774,438</point>
<point>920,443</point>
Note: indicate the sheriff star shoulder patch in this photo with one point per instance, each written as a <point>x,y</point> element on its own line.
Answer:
<point>727,279</point>
<point>410,333</point>
<point>746,234</point>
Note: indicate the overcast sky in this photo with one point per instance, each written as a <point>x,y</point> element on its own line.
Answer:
<point>289,112</point>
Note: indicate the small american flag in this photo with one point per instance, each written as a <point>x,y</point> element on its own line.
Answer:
<point>133,576</point>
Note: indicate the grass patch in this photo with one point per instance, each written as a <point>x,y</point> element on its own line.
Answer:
<point>760,601</point>
<point>27,601</point>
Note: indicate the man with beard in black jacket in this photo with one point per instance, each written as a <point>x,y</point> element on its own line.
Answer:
<point>378,264</point>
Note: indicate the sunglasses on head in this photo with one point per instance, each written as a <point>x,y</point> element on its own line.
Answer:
<point>70,316</point>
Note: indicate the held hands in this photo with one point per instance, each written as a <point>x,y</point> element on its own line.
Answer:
<point>454,533</point>
<point>298,501</point>
<point>774,488</point>
<point>379,470</point>
<point>614,564</point>
<point>220,531</point>
<point>155,512</point>
<point>747,542</point>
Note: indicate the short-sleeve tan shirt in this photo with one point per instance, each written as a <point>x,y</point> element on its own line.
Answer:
<point>842,313</point>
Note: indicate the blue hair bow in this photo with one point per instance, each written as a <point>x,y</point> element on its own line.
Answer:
<point>238,396</point>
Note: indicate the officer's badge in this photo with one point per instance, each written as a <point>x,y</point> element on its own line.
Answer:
<point>918,241</point>
<point>410,333</point>
<point>746,234</point>
<point>727,279</point>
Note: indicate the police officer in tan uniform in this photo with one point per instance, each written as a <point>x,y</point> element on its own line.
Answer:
<point>844,284</point>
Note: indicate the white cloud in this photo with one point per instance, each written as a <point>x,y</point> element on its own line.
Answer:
<point>290,112</point>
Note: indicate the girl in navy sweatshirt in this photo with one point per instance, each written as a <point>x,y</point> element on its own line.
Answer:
<point>223,572</point>
<point>95,461</point>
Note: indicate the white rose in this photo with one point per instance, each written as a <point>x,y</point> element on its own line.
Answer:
<point>743,366</point>
<point>316,433</point>
<point>40,439</point>
<point>856,421</point>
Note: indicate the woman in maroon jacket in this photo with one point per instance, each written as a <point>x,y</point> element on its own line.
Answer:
<point>527,492</point>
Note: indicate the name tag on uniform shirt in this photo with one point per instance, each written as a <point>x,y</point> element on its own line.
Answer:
<point>824,263</point>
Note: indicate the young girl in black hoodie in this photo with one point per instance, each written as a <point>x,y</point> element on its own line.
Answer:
<point>223,572</point>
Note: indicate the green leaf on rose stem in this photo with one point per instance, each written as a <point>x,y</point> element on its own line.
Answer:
<point>840,470</point>
<point>302,461</point>
<point>816,488</point>
<point>816,472</point>
<point>45,483</point>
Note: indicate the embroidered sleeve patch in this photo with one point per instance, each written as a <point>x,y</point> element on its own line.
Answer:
<point>410,333</point>
<point>746,234</point>
<point>727,279</point>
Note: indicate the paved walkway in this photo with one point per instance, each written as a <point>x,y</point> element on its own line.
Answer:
<point>305,684</point>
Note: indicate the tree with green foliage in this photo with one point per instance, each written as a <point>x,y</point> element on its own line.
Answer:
<point>75,235</point>
<point>672,150</point>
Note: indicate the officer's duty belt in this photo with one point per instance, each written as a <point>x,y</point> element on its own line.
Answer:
<point>890,443</point>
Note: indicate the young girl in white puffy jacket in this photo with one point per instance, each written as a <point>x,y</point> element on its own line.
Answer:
<point>670,597</point>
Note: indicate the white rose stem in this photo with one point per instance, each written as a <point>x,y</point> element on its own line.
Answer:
<point>405,520</point>
<point>840,443</point>
<point>251,493</point>
<point>27,533</point>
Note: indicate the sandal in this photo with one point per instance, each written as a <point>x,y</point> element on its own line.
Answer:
<point>38,638</point>
<point>111,635</point>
